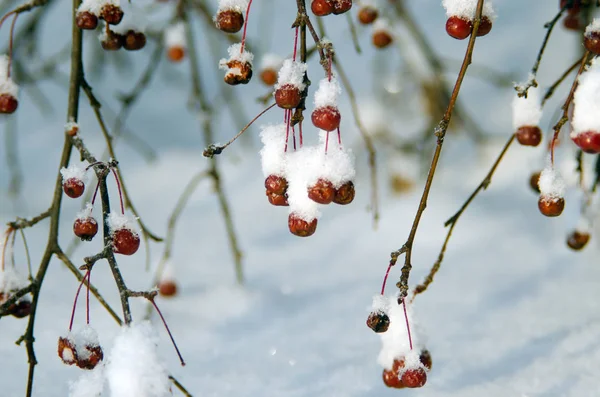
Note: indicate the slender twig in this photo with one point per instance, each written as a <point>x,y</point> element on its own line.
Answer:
<point>558,82</point>
<point>180,387</point>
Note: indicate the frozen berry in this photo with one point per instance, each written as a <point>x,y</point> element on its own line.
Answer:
<point>534,181</point>
<point>425,358</point>
<point>288,96</point>
<point>73,187</point>
<point>167,288</point>
<point>382,39</point>
<point>268,76</point>
<point>21,309</point>
<point>529,135</point>
<point>588,141</point>
<point>66,351</point>
<point>279,200</point>
<point>592,42</point>
<point>176,53</point>
<point>90,358</point>
<point>276,184</point>
<point>322,192</point>
<point>301,228</point>
<point>326,118</point>
<point>551,206</point>
<point>238,73</point>
<point>378,321</point>
<point>458,27</point>
<point>86,20</point>
<point>85,228</point>
<point>578,240</point>
<point>112,41</point>
<point>344,194</point>
<point>134,41</point>
<point>321,8</point>
<point>125,242</point>
<point>341,6</point>
<point>8,104</point>
<point>229,21</point>
<point>414,377</point>
<point>367,15</point>
<point>112,14</point>
<point>391,377</point>
<point>485,26</point>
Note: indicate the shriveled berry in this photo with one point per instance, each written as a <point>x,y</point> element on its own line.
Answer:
<point>458,27</point>
<point>8,104</point>
<point>321,8</point>
<point>378,321</point>
<point>268,76</point>
<point>578,240</point>
<point>176,53</point>
<point>288,96</point>
<point>391,377</point>
<point>279,200</point>
<point>588,141</point>
<point>134,41</point>
<point>112,14</point>
<point>367,15</point>
<point>414,377</point>
<point>85,228</point>
<point>112,41</point>
<point>91,358</point>
<point>229,21</point>
<point>73,187</point>
<point>551,206</point>
<point>167,288</point>
<point>592,42</point>
<point>529,135</point>
<point>425,358</point>
<point>344,194</point>
<point>86,20</point>
<point>322,191</point>
<point>381,39</point>
<point>238,73</point>
<point>276,184</point>
<point>341,6</point>
<point>534,181</point>
<point>301,228</point>
<point>125,242</point>
<point>66,351</point>
<point>326,118</point>
<point>22,308</point>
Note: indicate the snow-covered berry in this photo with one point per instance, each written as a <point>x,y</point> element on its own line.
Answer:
<point>66,350</point>
<point>112,14</point>
<point>527,113</point>
<point>125,238</point>
<point>414,377</point>
<point>229,21</point>
<point>321,8</point>
<point>382,34</point>
<point>577,240</point>
<point>73,181</point>
<point>288,96</point>
<point>278,200</point>
<point>175,42</point>
<point>86,20</point>
<point>290,84</point>
<point>552,189</point>
<point>300,227</point>
<point>344,194</point>
<point>391,377</point>
<point>458,27</point>
<point>341,6</point>
<point>378,321</point>
<point>276,184</point>
<point>586,122</point>
<point>461,17</point>
<point>551,206</point>
<point>588,141</point>
<point>367,14</point>
<point>322,191</point>
<point>85,228</point>
<point>238,67</point>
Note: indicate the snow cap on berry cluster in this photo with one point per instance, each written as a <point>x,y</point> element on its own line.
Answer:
<point>133,367</point>
<point>86,212</point>
<point>272,154</point>
<point>235,5</point>
<point>83,338</point>
<point>271,61</point>
<point>395,341</point>
<point>468,8</point>
<point>527,111</point>
<point>551,183</point>
<point>134,19</point>
<point>175,35</point>
<point>118,221</point>
<point>291,72</point>
<point>593,27</point>
<point>338,163</point>
<point>586,111</point>
<point>7,85</point>
<point>236,54</point>
<point>73,172</point>
<point>95,6</point>
<point>10,279</point>
<point>302,170</point>
<point>328,92</point>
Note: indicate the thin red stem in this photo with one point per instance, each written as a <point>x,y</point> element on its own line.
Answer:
<point>95,193</point>
<point>75,301</point>
<point>339,136</point>
<point>407,325</point>
<point>300,133</point>
<point>87,298</point>
<point>168,331</point>
<point>326,141</point>
<point>288,119</point>
<point>387,273</point>
<point>245,26</point>
<point>295,45</point>
<point>119,188</point>
<point>294,137</point>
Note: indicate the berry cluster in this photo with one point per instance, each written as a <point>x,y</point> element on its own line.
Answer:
<point>461,15</point>
<point>10,282</point>
<point>8,89</point>
<point>586,106</point>
<point>323,8</point>
<point>81,348</point>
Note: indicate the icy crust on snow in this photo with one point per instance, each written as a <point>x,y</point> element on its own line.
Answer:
<point>235,54</point>
<point>83,338</point>
<point>133,19</point>
<point>551,184</point>
<point>271,61</point>
<point>86,212</point>
<point>7,85</point>
<point>175,35</point>
<point>302,170</point>
<point>292,73</point>
<point>395,342</point>
<point>133,367</point>
<point>593,27</point>
<point>95,6</point>
<point>272,154</point>
<point>468,8</point>
<point>89,383</point>
<point>328,93</point>
<point>10,279</point>
<point>236,5</point>
<point>118,221</point>
<point>73,171</point>
<point>586,111</point>
<point>527,111</point>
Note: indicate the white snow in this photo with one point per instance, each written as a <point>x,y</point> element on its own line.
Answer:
<point>7,85</point>
<point>271,61</point>
<point>382,24</point>
<point>10,279</point>
<point>89,383</point>
<point>338,163</point>
<point>134,367</point>
<point>586,111</point>
<point>303,170</point>
<point>83,338</point>
<point>235,54</point>
<point>74,171</point>
<point>71,126</point>
<point>95,6</point>
<point>117,221</point>
<point>291,72</point>
<point>328,93</point>
<point>272,154</point>
<point>527,111</point>
<point>86,212</point>
<point>551,183</point>
<point>175,35</point>
<point>593,27</point>
<point>468,8</point>
<point>168,272</point>
<point>381,303</point>
<point>236,5</point>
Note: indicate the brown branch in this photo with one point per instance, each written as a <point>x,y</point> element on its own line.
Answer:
<point>180,387</point>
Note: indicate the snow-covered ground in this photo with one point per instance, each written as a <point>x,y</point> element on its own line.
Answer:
<point>512,311</point>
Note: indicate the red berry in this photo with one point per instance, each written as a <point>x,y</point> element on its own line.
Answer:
<point>21,309</point>
<point>367,15</point>
<point>112,14</point>
<point>588,141</point>
<point>229,21</point>
<point>134,41</point>
<point>85,228</point>
<point>378,321</point>
<point>125,241</point>
<point>288,96</point>
<point>458,27</point>
<point>534,181</point>
<point>344,194</point>
<point>167,288</point>
<point>279,200</point>
<point>301,228</point>
<point>382,39</point>
<point>321,192</point>
<point>239,72</point>
<point>529,135</point>
<point>66,351</point>
<point>592,42</point>
<point>425,358</point>
<point>326,118</point>
<point>485,26</point>
<point>341,6</point>
<point>8,104</point>
<point>86,20</point>
<point>414,377</point>
<point>112,41</point>
<point>176,53</point>
<point>391,377</point>
<point>276,184</point>
<point>551,206</point>
<point>321,8</point>
<point>268,76</point>
<point>578,240</point>
<point>572,22</point>
<point>73,187</point>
